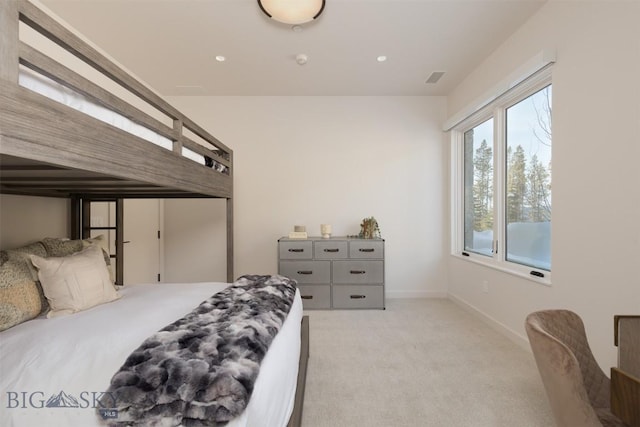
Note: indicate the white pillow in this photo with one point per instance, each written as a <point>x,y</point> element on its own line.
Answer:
<point>101,241</point>
<point>76,282</point>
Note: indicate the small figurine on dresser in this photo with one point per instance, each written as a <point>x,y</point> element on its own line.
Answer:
<point>369,229</point>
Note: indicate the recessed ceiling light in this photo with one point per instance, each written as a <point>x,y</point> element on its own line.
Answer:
<point>220,58</point>
<point>381,58</point>
<point>296,29</point>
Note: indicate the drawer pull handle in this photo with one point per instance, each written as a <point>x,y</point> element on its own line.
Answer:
<point>296,250</point>
<point>305,272</point>
<point>332,250</point>
<point>358,296</point>
<point>307,296</point>
<point>366,249</point>
<point>357,272</point>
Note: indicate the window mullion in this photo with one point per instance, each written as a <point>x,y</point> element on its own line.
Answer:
<point>457,188</point>
<point>499,162</point>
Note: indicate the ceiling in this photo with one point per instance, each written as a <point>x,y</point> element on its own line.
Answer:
<point>172,44</point>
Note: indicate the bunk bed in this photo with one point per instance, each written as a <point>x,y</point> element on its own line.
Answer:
<point>64,135</point>
<point>51,149</point>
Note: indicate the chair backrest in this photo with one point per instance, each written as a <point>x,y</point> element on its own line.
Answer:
<point>572,378</point>
<point>627,329</point>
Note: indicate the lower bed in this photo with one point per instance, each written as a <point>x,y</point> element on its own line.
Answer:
<point>70,360</point>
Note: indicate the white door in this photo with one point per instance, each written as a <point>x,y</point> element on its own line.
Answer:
<point>142,240</point>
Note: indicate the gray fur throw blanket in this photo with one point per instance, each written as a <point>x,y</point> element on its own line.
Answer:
<point>201,369</point>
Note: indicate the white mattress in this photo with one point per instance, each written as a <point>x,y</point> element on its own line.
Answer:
<point>78,354</point>
<point>62,94</point>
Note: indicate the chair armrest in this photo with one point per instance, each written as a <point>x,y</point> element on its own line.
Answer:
<point>625,395</point>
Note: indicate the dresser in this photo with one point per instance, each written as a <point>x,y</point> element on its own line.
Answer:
<point>335,273</point>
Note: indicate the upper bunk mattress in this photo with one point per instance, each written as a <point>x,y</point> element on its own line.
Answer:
<point>55,91</point>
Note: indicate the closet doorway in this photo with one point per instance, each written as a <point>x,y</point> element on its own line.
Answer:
<point>133,231</point>
<point>142,241</point>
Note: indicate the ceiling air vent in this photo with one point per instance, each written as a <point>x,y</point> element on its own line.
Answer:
<point>435,76</point>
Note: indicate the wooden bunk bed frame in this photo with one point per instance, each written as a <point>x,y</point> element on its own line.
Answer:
<point>50,149</point>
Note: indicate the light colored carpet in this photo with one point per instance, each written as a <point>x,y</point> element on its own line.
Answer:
<point>421,362</point>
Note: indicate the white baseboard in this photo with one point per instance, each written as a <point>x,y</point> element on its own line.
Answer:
<point>415,294</point>
<point>493,323</point>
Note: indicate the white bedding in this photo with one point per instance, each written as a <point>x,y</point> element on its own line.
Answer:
<point>78,355</point>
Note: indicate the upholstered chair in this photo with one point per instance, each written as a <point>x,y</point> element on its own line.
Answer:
<point>578,390</point>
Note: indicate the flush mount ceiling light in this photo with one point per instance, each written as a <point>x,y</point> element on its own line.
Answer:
<point>292,12</point>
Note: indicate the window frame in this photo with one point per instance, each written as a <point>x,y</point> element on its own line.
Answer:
<point>496,110</point>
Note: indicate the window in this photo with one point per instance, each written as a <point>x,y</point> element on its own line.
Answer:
<point>528,181</point>
<point>478,189</point>
<point>502,181</point>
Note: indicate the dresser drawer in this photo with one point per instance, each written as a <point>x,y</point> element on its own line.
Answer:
<point>330,250</point>
<point>315,296</point>
<point>295,250</point>
<point>358,296</point>
<point>306,271</point>
<point>358,272</point>
<point>371,249</point>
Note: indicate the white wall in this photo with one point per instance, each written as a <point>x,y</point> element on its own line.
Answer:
<point>596,191</point>
<point>195,233</point>
<point>28,219</point>
<point>313,160</point>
